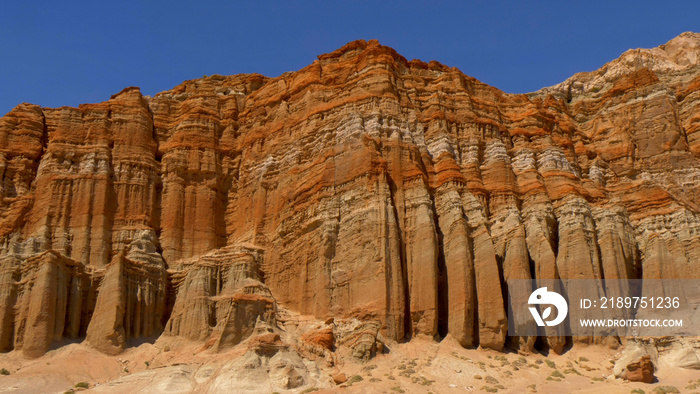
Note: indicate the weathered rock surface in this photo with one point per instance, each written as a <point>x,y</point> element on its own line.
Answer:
<point>641,370</point>
<point>401,194</point>
<point>267,366</point>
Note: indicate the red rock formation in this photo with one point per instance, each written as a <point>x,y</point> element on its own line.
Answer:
<point>641,370</point>
<point>363,186</point>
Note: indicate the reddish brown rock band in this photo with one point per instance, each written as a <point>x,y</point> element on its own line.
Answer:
<point>363,185</point>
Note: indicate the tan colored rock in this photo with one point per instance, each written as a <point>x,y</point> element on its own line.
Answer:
<point>268,365</point>
<point>49,303</point>
<point>221,300</point>
<point>237,314</point>
<point>130,304</point>
<point>357,339</point>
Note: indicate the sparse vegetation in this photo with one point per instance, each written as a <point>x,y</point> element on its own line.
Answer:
<point>520,362</point>
<point>638,391</point>
<point>551,364</point>
<point>147,364</point>
<point>573,371</point>
<point>491,380</point>
<point>557,374</point>
<point>355,379</point>
<point>489,389</point>
<point>504,361</point>
<point>4,372</point>
<point>665,390</point>
<point>423,381</point>
<point>398,389</point>
<point>82,385</point>
<point>582,359</point>
<point>597,379</point>
<point>408,372</point>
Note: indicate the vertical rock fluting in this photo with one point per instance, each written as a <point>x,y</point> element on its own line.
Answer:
<point>363,185</point>
<point>221,298</point>
<point>131,299</point>
<point>49,302</point>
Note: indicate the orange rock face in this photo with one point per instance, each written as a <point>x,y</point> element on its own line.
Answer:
<point>363,186</point>
<point>641,370</point>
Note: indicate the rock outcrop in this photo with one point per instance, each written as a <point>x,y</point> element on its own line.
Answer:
<point>641,370</point>
<point>400,194</point>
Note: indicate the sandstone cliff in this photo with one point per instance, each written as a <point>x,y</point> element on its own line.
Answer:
<point>364,186</point>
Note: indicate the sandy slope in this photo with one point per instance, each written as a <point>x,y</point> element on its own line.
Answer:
<point>419,366</point>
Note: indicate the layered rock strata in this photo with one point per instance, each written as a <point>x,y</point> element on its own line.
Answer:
<point>364,186</point>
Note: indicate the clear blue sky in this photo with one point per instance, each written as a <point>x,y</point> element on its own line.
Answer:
<point>58,53</point>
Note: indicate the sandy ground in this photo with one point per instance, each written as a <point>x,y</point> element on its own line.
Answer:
<point>420,366</point>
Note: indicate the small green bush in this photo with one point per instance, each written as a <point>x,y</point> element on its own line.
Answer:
<point>82,385</point>
<point>569,371</point>
<point>665,390</point>
<point>557,374</point>
<point>355,379</point>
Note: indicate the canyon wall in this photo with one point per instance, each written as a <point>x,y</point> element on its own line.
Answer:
<point>362,186</point>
